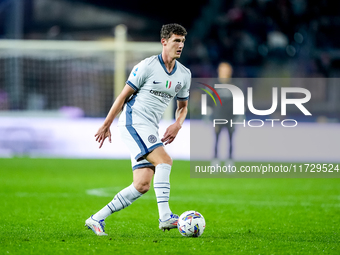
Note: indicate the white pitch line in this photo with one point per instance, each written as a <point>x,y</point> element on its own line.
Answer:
<point>98,192</point>
<point>110,192</point>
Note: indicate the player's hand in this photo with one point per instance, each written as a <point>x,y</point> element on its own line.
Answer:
<point>171,133</point>
<point>102,134</point>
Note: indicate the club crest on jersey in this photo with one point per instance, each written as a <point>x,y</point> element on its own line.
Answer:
<point>152,138</point>
<point>168,84</point>
<point>178,87</point>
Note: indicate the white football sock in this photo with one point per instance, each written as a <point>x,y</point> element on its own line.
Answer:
<point>123,199</point>
<point>161,184</point>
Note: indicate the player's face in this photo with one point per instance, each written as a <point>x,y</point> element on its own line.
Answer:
<point>174,45</point>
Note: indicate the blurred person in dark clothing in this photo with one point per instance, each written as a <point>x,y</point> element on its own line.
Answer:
<point>225,72</point>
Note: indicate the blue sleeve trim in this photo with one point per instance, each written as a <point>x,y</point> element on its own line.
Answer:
<point>131,85</point>
<point>182,98</point>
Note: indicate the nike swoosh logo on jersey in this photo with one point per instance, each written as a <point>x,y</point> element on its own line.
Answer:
<point>156,82</point>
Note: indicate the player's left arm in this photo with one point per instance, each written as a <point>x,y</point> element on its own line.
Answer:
<point>172,131</point>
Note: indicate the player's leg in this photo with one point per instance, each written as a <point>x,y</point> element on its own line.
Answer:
<point>230,132</point>
<point>215,161</point>
<point>122,199</point>
<point>217,136</point>
<point>142,178</point>
<point>162,162</point>
<point>142,175</point>
<point>229,161</point>
<point>230,129</point>
<point>141,184</point>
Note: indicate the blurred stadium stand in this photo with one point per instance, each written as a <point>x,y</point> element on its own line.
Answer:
<point>246,33</point>
<point>260,38</point>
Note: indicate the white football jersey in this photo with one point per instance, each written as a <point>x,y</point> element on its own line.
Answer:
<point>154,88</point>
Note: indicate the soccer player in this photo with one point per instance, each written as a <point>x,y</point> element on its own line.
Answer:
<point>152,84</point>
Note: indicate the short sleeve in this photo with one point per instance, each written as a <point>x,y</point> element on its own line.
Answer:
<point>183,94</point>
<point>137,76</point>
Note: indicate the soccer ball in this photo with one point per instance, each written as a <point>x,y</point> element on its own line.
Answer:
<point>191,224</point>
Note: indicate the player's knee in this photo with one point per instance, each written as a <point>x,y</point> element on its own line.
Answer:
<point>165,160</point>
<point>142,187</point>
<point>169,161</point>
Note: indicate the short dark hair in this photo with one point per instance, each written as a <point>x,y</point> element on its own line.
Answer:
<point>169,29</point>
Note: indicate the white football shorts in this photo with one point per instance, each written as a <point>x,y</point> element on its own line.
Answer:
<point>140,139</point>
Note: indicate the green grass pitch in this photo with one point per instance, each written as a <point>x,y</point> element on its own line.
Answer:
<point>44,203</point>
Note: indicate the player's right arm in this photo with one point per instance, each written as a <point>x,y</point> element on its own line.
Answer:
<point>135,81</point>
<point>104,131</point>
